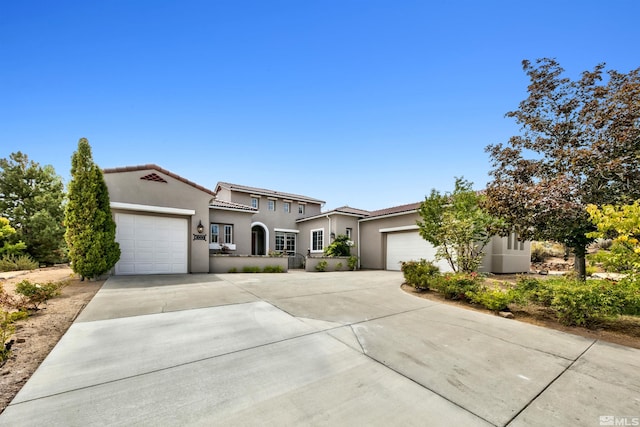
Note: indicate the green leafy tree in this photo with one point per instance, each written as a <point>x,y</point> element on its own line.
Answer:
<point>6,232</point>
<point>622,223</point>
<point>91,229</point>
<point>31,198</point>
<point>457,226</point>
<point>580,144</point>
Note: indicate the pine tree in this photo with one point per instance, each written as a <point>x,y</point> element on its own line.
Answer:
<point>91,230</point>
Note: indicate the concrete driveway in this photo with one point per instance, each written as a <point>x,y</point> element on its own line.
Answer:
<point>300,348</point>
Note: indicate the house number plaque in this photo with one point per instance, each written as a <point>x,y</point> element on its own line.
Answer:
<point>199,237</point>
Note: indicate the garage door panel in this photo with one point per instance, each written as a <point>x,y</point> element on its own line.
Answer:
<point>409,246</point>
<point>151,244</point>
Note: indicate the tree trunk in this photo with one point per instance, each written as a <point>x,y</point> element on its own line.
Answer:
<point>580,265</point>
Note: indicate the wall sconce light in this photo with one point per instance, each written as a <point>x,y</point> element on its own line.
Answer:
<point>333,236</point>
<point>200,227</point>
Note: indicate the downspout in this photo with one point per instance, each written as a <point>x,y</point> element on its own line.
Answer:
<point>329,218</point>
<point>359,266</point>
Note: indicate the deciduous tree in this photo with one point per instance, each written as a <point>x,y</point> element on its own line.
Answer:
<point>580,144</point>
<point>457,226</point>
<point>91,229</point>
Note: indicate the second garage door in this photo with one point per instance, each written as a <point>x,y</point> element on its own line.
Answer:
<point>151,244</point>
<point>409,246</point>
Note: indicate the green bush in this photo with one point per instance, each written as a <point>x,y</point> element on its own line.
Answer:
<point>352,262</point>
<point>34,294</point>
<point>529,289</point>
<point>321,266</point>
<point>233,270</point>
<point>540,251</point>
<point>420,274</point>
<point>495,299</point>
<point>251,269</point>
<point>457,286</point>
<point>11,262</point>
<point>339,266</point>
<point>584,303</point>
<point>341,246</point>
<point>273,269</point>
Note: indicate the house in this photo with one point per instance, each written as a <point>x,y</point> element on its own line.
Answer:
<point>167,224</point>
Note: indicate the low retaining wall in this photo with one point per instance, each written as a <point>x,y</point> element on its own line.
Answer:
<point>339,263</point>
<point>224,263</point>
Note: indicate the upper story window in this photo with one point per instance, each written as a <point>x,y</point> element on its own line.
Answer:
<point>301,209</point>
<point>287,207</point>
<point>317,240</point>
<point>255,203</point>
<point>272,205</point>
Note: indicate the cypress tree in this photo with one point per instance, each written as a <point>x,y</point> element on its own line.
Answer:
<point>91,230</point>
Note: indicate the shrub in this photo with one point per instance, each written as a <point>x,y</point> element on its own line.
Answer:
<point>584,303</point>
<point>495,299</point>
<point>419,274</point>
<point>233,270</point>
<point>457,285</point>
<point>34,294</point>
<point>11,262</point>
<point>251,269</point>
<point>341,246</point>
<point>339,266</point>
<point>6,331</point>
<point>529,289</point>
<point>273,269</point>
<point>352,262</point>
<point>321,266</point>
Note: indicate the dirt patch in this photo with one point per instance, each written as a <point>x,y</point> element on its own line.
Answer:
<point>36,336</point>
<point>624,330</point>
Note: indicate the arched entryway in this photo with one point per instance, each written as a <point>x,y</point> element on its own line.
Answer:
<point>259,239</point>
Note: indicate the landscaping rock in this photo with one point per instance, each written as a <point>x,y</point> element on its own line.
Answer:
<point>506,314</point>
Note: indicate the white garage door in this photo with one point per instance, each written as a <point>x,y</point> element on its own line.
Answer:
<point>151,244</point>
<point>409,246</point>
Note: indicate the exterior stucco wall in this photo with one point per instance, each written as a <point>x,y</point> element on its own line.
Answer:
<point>127,187</point>
<point>373,243</point>
<point>277,219</point>
<point>304,237</point>
<point>241,222</point>
<point>510,257</point>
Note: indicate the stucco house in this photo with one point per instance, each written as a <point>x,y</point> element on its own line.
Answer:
<point>167,224</point>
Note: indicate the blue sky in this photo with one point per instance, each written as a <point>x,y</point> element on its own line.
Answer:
<point>369,104</point>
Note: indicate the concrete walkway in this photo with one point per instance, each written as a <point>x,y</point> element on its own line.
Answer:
<point>315,349</point>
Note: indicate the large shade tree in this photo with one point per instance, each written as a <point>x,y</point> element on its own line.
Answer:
<point>91,229</point>
<point>579,145</point>
<point>31,198</point>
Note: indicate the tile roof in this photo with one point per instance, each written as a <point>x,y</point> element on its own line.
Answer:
<point>411,207</point>
<point>223,204</point>
<point>159,169</point>
<point>341,210</point>
<point>265,192</point>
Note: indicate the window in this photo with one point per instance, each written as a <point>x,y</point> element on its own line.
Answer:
<point>287,207</point>
<point>254,202</point>
<point>301,209</point>
<point>228,234</point>
<point>349,232</point>
<point>285,242</point>
<point>272,205</point>
<point>317,240</point>
<point>214,233</point>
